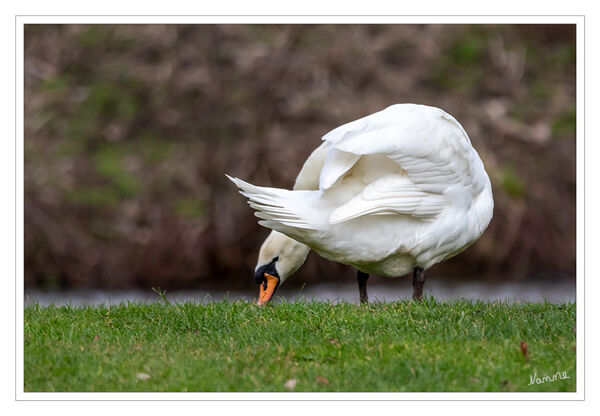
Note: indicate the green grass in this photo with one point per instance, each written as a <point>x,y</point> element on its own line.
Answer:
<point>236,346</point>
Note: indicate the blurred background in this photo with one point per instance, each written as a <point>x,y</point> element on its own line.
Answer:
<point>129,130</point>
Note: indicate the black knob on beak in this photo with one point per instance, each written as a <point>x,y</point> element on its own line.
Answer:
<point>259,274</point>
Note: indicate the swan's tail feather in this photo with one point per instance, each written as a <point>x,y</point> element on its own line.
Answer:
<point>274,206</point>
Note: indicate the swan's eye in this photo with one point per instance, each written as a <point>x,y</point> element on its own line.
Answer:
<point>275,259</point>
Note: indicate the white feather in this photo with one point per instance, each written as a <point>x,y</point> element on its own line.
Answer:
<point>399,188</point>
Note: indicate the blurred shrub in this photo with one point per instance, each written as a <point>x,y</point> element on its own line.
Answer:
<point>129,130</point>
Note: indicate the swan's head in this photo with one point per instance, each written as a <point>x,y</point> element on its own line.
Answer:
<point>279,258</point>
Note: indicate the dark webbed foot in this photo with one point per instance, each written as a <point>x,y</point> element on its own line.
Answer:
<point>418,282</point>
<point>362,286</point>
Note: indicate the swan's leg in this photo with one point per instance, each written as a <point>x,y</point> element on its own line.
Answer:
<point>418,282</point>
<point>362,286</point>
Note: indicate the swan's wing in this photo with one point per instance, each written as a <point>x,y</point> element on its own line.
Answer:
<point>391,194</point>
<point>428,144</point>
<point>308,178</point>
<point>337,163</point>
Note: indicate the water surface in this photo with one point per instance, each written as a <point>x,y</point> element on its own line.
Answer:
<point>556,292</point>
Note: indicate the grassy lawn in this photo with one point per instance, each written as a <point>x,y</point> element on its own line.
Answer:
<point>300,346</point>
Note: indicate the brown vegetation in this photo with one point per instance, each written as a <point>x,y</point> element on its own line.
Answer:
<point>130,129</point>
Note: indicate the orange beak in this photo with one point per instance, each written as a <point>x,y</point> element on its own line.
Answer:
<point>267,288</point>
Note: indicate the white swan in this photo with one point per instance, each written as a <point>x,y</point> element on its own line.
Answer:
<point>397,191</point>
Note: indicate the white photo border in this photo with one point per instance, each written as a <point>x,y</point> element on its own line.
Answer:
<point>22,20</point>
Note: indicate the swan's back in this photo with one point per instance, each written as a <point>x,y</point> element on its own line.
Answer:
<point>428,143</point>
<point>424,188</point>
